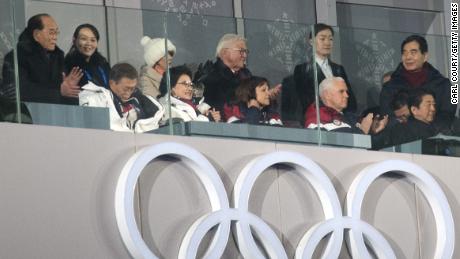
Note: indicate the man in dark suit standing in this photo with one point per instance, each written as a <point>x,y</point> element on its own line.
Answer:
<point>301,93</point>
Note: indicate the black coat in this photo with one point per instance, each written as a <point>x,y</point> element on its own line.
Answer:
<point>92,69</point>
<point>96,70</point>
<point>436,83</point>
<point>220,84</point>
<point>300,92</point>
<point>40,72</point>
<point>404,133</point>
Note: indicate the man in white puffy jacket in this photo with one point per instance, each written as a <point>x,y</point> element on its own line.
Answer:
<point>129,109</point>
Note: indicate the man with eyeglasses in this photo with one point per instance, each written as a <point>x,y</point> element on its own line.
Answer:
<point>41,64</point>
<point>129,109</point>
<point>226,72</point>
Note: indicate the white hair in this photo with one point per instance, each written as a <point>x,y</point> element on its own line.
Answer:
<point>226,41</point>
<point>328,83</point>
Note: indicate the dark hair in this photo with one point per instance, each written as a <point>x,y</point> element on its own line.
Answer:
<point>416,97</point>
<point>122,70</point>
<point>88,26</point>
<point>247,88</point>
<point>399,100</point>
<point>96,57</point>
<point>34,23</point>
<point>174,74</point>
<point>321,27</point>
<point>423,45</point>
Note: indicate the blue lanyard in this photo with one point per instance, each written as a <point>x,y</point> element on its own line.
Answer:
<point>101,72</point>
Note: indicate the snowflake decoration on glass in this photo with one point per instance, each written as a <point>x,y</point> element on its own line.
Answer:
<point>374,59</point>
<point>283,41</point>
<point>186,9</point>
<point>6,44</point>
<point>6,40</point>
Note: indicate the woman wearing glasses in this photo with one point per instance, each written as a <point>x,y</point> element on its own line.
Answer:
<point>84,54</point>
<point>182,105</point>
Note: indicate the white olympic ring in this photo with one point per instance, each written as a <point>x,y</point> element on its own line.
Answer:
<point>222,214</point>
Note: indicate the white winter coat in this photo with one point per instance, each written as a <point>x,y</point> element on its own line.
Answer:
<point>96,96</point>
<point>182,110</point>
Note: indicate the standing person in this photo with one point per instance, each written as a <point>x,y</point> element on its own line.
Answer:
<point>181,95</point>
<point>41,64</point>
<point>154,57</point>
<point>84,54</point>
<point>129,109</point>
<point>304,82</point>
<point>415,72</point>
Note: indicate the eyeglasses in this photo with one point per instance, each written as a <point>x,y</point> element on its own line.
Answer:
<point>242,51</point>
<point>186,83</point>
<point>53,32</point>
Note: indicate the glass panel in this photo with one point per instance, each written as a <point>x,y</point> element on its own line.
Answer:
<point>184,9</point>
<point>279,51</point>
<point>10,106</point>
<point>296,11</point>
<point>367,55</point>
<point>41,63</point>
<point>275,48</point>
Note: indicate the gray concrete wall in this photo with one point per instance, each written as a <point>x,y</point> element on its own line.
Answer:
<point>57,190</point>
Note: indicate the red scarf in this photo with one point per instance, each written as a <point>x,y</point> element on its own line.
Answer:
<point>416,79</point>
<point>189,102</point>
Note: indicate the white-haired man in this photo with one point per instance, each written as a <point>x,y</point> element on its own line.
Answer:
<point>333,92</point>
<point>227,71</point>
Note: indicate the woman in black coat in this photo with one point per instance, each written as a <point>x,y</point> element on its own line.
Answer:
<point>84,54</point>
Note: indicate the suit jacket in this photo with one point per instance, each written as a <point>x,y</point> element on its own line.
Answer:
<point>300,93</point>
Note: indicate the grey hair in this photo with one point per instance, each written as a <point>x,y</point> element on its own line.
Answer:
<point>328,83</point>
<point>226,40</point>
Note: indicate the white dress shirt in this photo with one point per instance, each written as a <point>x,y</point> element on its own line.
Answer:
<point>325,67</point>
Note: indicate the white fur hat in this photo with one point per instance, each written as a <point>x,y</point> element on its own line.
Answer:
<point>154,49</point>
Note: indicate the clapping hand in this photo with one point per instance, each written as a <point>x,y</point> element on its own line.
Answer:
<point>379,124</point>
<point>366,123</point>
<point>69,85</point>
<point>215,115</point>
<point>275,91</point>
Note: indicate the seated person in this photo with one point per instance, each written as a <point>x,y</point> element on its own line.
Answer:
<point>400,107</point>
<point>129,109</point>
<point>156,64</point>
<point>422,106</point>
<point>304,82</point>
<point>252,104</point>
<point>84,54</point>
<point>40,64</point>
<point>334,100</point>
<point>182,105</point>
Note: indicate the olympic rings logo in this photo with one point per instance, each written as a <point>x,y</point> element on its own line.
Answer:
<point>222,215</point>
